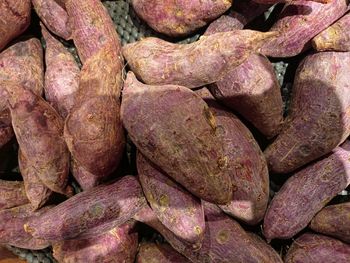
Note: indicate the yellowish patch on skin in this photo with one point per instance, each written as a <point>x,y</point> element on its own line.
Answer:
<point>222,237</point>
<point>198,230</point>
<point>163,202</point>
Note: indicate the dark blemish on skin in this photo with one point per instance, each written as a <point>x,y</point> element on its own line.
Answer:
<point>41,119</point>
<point>29,107</point>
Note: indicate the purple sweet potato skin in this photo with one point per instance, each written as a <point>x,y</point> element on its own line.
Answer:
<point>6,131</point>
<point>115,246</point>
<point>173,128</point>
<point>12,194</point>
<point>155,61</point>
<point>105,205</point>
<point>249,10</point>
<point>61,76</point>
<point>318,119</point>
<point>15,18</point>
<point>266,248</point>
<point>312,248</point>
<point>160,253</point>
<point>11,228</point>
<point>333,221</point>
<point>179,18</point>
<point>176,208</point>
<point>224,23</point>
<point>306,193</point>
<point>298,23</point>
<point>54,17</point>
<point>246,163</point>
<point>335,38</point>
<point>85,179</point>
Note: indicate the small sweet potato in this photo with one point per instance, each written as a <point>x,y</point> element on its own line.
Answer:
<point>12,194</point>
<point>318,119</point>
<point>311,248</point>
<point>179,18</point>
<point>333,221</point>
<point>115,246</point>
<point>306,193</point>
<point>173,128</point>
<point>246,164</point>
<point>160,253</point>
<point>156,61</point>
<point>336,37</point>
<point>298,23</point>
<point>176,208</point>
<point>15,18</point>
<point>108,206</point>
<point>54,17</point>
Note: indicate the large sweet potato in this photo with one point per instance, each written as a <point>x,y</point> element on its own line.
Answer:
<point>319,118</point>
<point>298,23</point>
<point>173,128</point>
<point>91,212</point>
<point>311,248</point>
<point>156,61</point>
<point>115,246</point>
<point>306,193</point>
<point>12,194</point>
<point>179,18</point>
<point>176,208</point>
<point>333,221</point>
<point>246,164</point>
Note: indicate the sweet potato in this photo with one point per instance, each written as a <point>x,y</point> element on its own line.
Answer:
<point>54,17</point>
<point>61,76</point>
<point>11,227</point>
<point>333,221</point>
<point>117,245</point>
<point>336,37</point>
<point>156,61</point>
<point>173,128</point>
<point>306,193</point>
<point>176,208</point>
<point>94,212</point>
<point>160,253</point>
<point>318,119</point>
<point>298,23</point>
<point>179,18</point>
<point>311,248</point>
<point>15,18</point>
<point>246,163</point>
<point>12,194</point>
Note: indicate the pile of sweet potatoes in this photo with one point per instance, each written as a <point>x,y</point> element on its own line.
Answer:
<point>184,138</point>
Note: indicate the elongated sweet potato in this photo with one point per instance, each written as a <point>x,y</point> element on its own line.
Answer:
<point>12,194</point>
<point>173,128</point>
<point>318,119</point>
<point>336,37</point>
<point>179,18</point>
<point>11,227</point>
<point>246,164</point>
<point>156,61</point>
<point>176,208</point>
<point>160,253</point>
<point>54,17</point>
<point>306,193</point>
<point>298,23</point>
<point>105,205</point>
<point>311,248</point>
<point>15,18</point>
<point>115,246</point>
<point>333,221</point>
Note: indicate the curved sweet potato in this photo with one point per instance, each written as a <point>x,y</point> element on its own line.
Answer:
<point>12,194</point>
<point>173,128</point>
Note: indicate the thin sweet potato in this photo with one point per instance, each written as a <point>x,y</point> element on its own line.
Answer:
<point>306,193</point>
<point>156,61</point>
<point>298,23</point>
<point>311,248</point>
<point>173,128</point>
<point>115,246</point>
<point>333,221</point>
<point>179,18</point>
<point>246,164</point>
<point>176,208</point>
<point>318,119</point>
<point>12,194</point>
<point>91,212</point>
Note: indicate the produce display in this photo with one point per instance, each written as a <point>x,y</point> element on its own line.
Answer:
<point>148,131</point>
